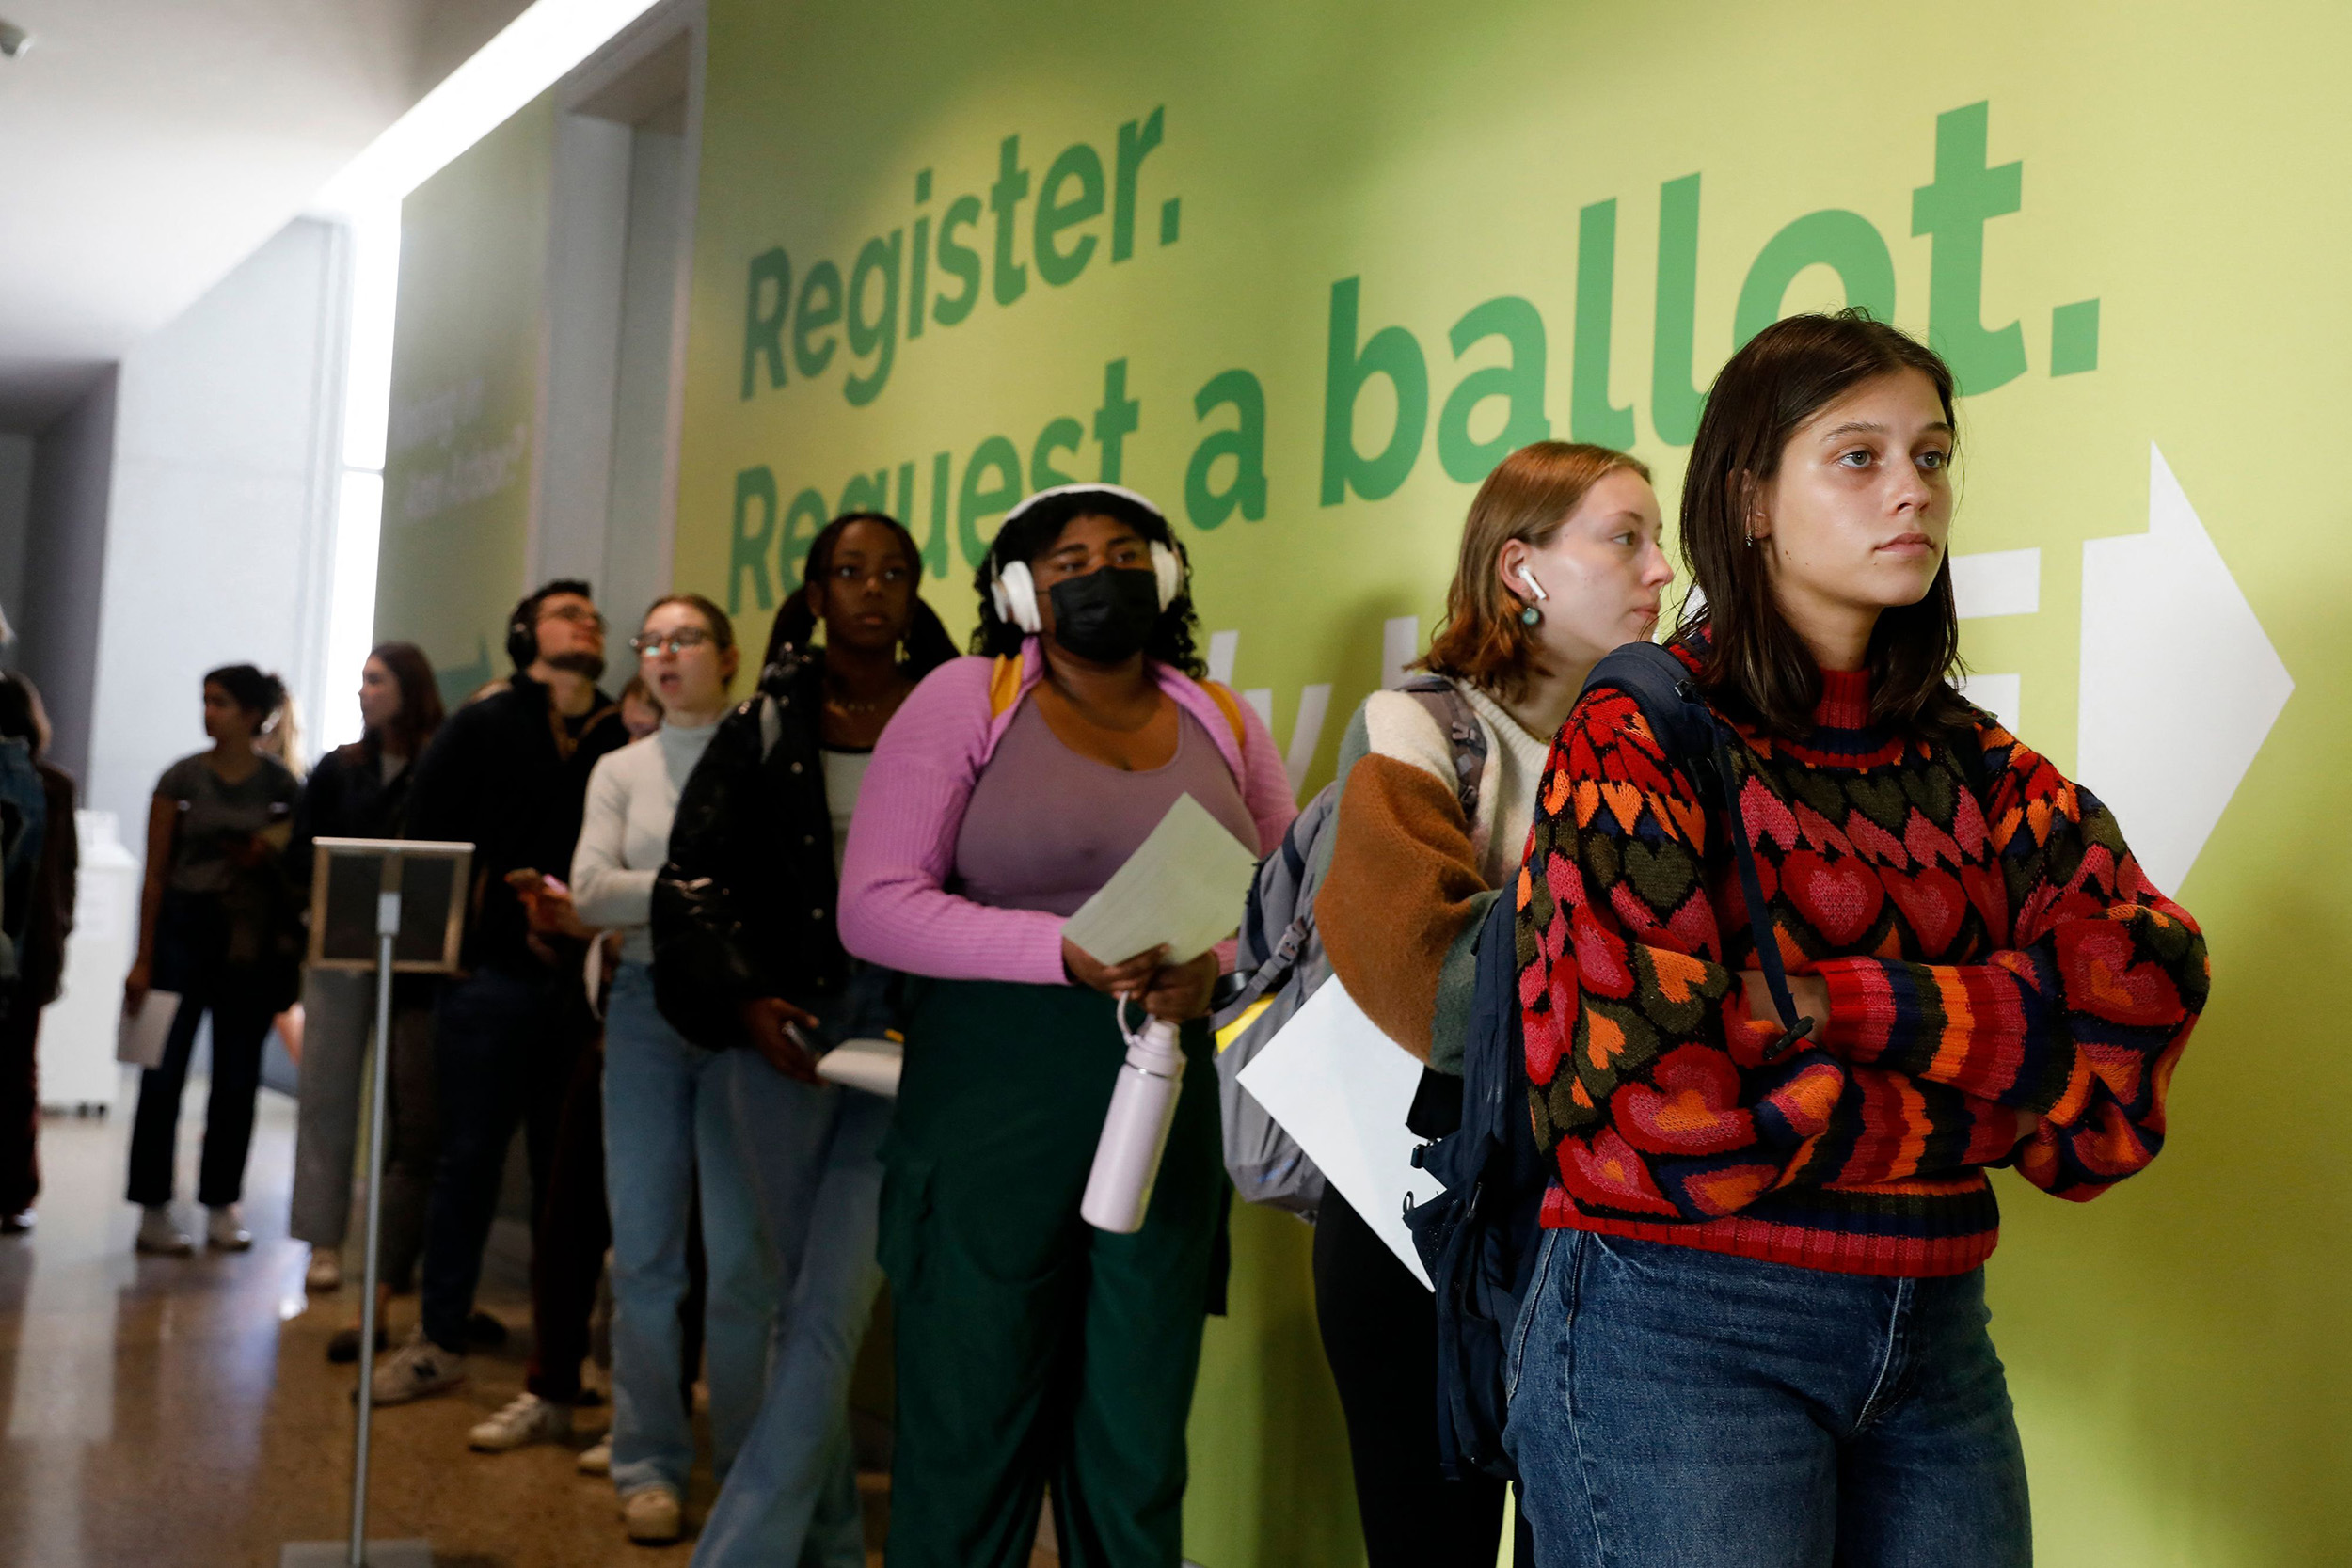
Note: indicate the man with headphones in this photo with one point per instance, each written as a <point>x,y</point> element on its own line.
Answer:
<point>508,773</point>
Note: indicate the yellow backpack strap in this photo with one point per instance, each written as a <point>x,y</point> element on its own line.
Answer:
<point>1229,706</point>
<point>1004,684</point>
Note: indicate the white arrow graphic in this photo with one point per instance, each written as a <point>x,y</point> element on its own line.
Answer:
<point>2178,683</point>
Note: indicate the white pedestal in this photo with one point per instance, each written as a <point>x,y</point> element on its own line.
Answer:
<point>78,1070</point>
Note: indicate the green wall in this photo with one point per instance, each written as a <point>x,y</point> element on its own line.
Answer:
<point>2120,221</point>
<point>466,368</point>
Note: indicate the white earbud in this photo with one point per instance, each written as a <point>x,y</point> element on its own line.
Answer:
<point>1534,586</point>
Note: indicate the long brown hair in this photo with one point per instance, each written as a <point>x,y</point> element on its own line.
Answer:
<point>1756,665</point>
<point>421,712</point>
<point>1527,496</point>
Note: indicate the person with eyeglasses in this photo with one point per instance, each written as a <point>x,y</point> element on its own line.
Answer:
<point>658,1116</point>
<point>508,773</point>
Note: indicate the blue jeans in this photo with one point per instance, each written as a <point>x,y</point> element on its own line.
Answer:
<point>792,1497</point>
<point>1671,1406</point>
<point>670,1116</point>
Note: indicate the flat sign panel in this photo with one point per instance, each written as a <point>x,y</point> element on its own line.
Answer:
<point>346,879</point>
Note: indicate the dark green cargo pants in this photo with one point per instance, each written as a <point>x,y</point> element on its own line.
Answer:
<point>1031,1347</point>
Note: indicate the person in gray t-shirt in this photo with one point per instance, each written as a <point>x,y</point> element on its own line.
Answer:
<point>219,927</point>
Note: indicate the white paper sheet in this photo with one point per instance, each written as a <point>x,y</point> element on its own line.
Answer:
<point>869,1065</point>
<point>1343,1089</point>
<point>1182,886</point>
<point>140,1039</point>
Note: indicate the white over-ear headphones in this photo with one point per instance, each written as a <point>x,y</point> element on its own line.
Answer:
<point>1014,589</point>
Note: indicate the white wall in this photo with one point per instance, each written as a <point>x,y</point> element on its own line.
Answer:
<point>220,535</point>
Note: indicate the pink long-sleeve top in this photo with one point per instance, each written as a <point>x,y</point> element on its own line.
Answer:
<point>896,909</point>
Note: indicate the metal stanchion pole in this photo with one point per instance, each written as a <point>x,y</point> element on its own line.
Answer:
<point>387,929</point>
<point>385,1554</point>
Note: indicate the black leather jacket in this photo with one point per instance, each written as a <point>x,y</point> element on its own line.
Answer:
<point>744,908</point>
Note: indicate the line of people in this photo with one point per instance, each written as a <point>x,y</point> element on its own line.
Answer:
<point>1756,1333</point>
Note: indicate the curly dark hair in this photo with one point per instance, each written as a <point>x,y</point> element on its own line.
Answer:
<point>1025,537</point>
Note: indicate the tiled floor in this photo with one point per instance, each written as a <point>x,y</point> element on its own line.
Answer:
<point>181,1412</point>
<point>173,1411</point>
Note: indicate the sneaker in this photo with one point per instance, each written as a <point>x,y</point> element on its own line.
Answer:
<point>651,1516</point>
<point>485,1332</point>
<point>325,1272</point>
<point>416,1370</point>
<point>526,1418</point>
<point>159,1232</point>
<point>596,1458</point>
<point>224,1229</point>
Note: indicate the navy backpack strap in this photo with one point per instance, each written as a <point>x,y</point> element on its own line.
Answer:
<point>1697,744</point>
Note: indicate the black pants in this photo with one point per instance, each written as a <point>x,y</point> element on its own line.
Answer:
<point>568,1239</point>
<point>240,1025</point>
<point>1380,1334</point>
<point>505,1044</point>
<point>20,1104</point>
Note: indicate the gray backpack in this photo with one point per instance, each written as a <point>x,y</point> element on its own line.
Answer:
<point>1282,962</point>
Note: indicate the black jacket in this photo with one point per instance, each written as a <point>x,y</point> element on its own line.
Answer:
<point>744,909</point>
<point>345,796</point>
<point>509,776</point>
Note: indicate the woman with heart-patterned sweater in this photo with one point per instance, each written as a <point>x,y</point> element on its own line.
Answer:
<point>1757,1334</point>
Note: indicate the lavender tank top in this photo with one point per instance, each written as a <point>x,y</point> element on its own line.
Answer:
<point>1046,827</point>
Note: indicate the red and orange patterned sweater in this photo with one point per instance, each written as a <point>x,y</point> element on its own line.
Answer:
<point>1989,945</point>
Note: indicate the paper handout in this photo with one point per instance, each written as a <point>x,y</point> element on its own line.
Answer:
<point>1182,886</point>
<point>1343,1089</point>
<point>139,1041</point>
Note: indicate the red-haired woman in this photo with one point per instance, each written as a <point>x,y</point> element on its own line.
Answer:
<point>1560,563</point>
<point>1756,1332</point>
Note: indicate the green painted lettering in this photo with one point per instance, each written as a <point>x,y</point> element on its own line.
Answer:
<point>1843,241</point>
<point>876,261</point>
<point>764,304</point>
<point>1390,351</point>
<point>1674,401</point>
<point>959,262</point>
<point>1954,209</point>
<point>1062,434</point>
<point>1080,162</point>
<point>1135,141</point>
<point>1004,199</point>
<point>1115,421</point>
<point>747,548</point>
<point>975,500</point>
<point>1205,504</point>
<point>1518,382</point>
<point>819,308</point>
<point>1590,416</point>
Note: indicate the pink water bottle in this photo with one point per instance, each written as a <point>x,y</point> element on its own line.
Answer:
<point>1134,1133</point>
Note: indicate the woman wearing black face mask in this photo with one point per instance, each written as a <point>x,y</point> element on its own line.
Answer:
<point>1006,790</point>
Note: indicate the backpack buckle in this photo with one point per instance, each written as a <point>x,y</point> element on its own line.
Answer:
<point>1788,1041</point>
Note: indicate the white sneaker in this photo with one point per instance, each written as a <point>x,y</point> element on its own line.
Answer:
<point>651,1516</point>
<point>416,1370</point>
<point>526,1418</point>
<point>224,1228</point>
<point>597,1459</point>
<point>325,1272</point>
<point>160,1232</point>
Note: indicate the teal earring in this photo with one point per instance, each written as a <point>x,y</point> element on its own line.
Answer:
<point>1530,615</point>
